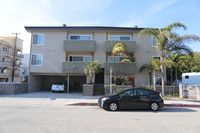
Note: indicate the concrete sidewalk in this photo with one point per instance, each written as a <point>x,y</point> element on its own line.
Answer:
<point>52,99</point>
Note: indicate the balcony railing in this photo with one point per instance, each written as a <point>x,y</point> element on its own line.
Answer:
<point>5,63</point>
<point>130,45</point>
<point>79,45</point>
<point>121,68</point>
<point>10,53</point>
<point>74,67</point>
<point>4,75</point>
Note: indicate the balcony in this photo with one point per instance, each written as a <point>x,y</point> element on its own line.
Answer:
<point>4,75</point>
<point>6,63</point>
<point>74,67</point>
<point>130,45</point>
<point>8,53</point>
<point>121,68</point>
<point>79,45</point>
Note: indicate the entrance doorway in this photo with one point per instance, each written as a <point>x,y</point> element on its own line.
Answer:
<point>99,77</point>
<point>76,83</point>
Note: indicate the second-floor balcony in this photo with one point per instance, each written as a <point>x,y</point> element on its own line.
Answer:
<point>4,75</point>
<point>121,68</point>
<point>6,63</point>
<point>79,45</point>
<point>8,53</point>
<point>130,45</point>
<point>74,67</point>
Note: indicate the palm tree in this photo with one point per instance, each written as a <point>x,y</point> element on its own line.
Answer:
<point>151,68</point>
<point>92,68</point>
<point>169,41</point>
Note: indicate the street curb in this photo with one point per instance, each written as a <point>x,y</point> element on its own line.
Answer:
<point>165,105</point>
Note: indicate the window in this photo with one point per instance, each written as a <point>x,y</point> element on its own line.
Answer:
<point>5,60</point>
<point>80,58</point>
<point>120,38</point>
<point>186,77</point>
<point>143,92</point>
<point>129,93</point>
<point>36,59</point>
<point>116,59</point>
<point>80,37</point>
<point>38,39</point>
<point>5,49</point>
<point>153,41</point>
<point>156,57</point>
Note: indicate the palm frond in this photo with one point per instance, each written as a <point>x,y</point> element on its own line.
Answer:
<point>175,26</point>
<point>126,60</point>
<point>149,31</point>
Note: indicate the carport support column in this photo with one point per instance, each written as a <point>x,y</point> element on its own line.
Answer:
<point>68,84</point>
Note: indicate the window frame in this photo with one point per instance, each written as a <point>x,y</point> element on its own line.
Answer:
<point>4,48</point>
<point>36,60</point>
<point>38,43</point>
<point>119,37</point>
<point>153,38</point>
<point>154,57</point>
<point>80,36</point>
<point>79,56</point>
<point>114,57</point>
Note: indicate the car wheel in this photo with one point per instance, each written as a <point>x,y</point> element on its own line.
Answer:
<point>154,106</point>
<point>113,106</point>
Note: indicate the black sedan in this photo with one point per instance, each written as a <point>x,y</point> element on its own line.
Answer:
<point>135,98</point>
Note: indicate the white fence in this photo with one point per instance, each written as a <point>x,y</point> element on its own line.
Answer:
<point>189,91</point>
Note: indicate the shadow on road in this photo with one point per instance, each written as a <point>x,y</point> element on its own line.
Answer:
<point>163,110</point>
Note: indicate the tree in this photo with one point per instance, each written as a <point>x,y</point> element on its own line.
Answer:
<point>92,68</point>
<point>151,68</point>
<point>189,64</point>
<point>169,41</point>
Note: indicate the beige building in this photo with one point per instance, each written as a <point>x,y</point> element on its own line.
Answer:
<point>59,54</point>
<point>7,45</point>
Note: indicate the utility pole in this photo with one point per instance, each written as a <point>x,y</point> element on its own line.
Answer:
<point>14,54</point>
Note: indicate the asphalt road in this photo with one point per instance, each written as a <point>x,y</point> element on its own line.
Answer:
<point>45,118</point>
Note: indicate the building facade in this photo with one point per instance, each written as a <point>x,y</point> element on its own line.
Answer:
<point>7,58</point>
<point>59,54</point>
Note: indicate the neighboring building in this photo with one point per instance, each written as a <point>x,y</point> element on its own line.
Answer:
<point>59,54</point>
<point>24,66</point>
<point>7,56</point>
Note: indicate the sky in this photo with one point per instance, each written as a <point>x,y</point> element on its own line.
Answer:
<point>15,14</point>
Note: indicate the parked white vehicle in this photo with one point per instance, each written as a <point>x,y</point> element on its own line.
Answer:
<point>58,87</point>
<point>191,78</point>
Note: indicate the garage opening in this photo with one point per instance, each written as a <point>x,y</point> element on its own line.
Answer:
<point>49,80</point>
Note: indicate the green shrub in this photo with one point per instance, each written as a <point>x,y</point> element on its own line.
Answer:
<point>117,90</point>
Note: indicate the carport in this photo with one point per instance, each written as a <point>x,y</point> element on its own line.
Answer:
<point>73,83</point>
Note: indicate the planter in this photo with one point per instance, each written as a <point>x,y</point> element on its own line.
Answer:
<point>88,90</point>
